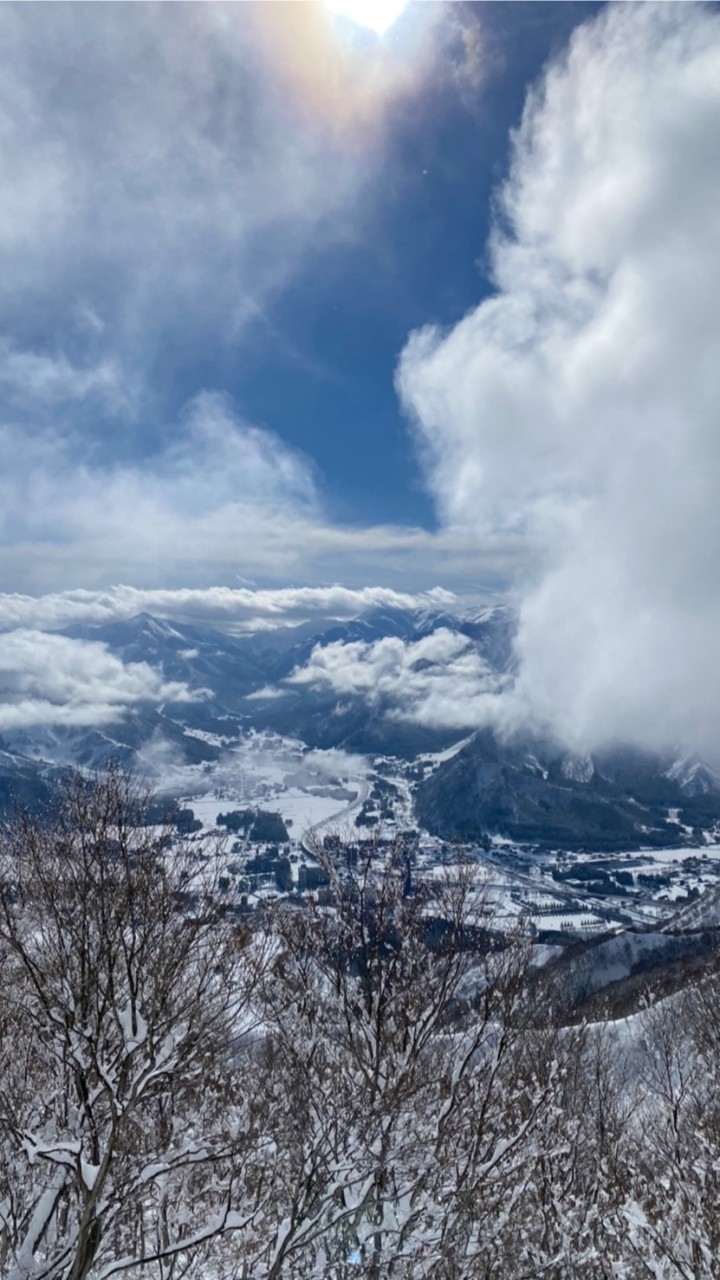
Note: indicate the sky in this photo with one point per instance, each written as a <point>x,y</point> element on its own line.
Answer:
<point>221,225</point>
<point>290,309</point>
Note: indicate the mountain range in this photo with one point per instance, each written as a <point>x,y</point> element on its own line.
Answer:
<point>241,683</point>
<point>528,788</point>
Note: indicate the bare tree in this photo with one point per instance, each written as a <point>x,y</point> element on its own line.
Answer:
<point>393,1018</point>
<point>672,1221</point>
<point>121,1129</point>
<point>366,1087</point>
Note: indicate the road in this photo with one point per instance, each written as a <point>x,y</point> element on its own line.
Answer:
<point>309,838</point>
<point>603,906</point>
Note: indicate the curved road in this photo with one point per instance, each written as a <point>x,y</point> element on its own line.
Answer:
<point>311,834</point>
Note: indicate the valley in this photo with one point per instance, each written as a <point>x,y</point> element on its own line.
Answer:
<point>607,862</point>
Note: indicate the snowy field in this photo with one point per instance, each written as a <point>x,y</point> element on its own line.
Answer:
<point>651,857</point>
<point>281,775</point>
<point>300,808</point>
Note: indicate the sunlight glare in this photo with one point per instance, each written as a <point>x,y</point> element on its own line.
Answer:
<point>378,15</point>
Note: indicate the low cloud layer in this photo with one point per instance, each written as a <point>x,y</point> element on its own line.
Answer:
<point>53,680</point>
<point>222,499</point>
<point>229,608</point>
<point>440,680</point>
<point>577,407</point>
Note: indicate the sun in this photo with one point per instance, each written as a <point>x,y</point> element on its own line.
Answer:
<point>378,15</point>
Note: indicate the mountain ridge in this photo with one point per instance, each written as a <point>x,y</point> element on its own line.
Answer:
<point>532,790</point>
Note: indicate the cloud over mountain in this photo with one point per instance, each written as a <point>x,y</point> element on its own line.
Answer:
<point>577,406</point>
<point>54,680</point>
<point>440,680</point>
<point>228,608</point>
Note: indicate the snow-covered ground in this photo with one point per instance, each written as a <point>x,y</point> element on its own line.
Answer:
<point>277,774</point>
<point>655,856</point>
<point>319,793</point>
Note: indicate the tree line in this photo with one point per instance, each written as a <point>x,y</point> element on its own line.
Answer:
<point>370,1088</point>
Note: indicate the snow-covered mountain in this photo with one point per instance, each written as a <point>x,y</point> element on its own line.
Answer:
<point>530,789</point>
<point>228,674</point>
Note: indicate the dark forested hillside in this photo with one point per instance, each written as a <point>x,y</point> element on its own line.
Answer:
<point>530,789</point>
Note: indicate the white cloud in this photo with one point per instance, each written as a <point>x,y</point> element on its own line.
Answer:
<point>229,608</point>
<point>222,493</point>
<point>167,170</point>
<point>439,680</point>
<point>39,379</point>
<point>153,168</point>
<point>53,680</point>
<point>578,406</point>
<point>222,499</point>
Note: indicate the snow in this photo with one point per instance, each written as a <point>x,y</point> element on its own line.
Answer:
<point>571,922</point>
<point>672,894</point>
<point>306,810</point>
<point>577,768</point>
<point>544,953</point>
<point>669,856</point>
<point>89,1173</point>
<point>439,757</point>
<point>207,808</point>
<point>133,1036</point>
<point>42,1214</point>
<point>266,771</point>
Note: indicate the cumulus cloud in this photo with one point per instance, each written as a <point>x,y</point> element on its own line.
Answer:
<point>53,680</point>
<point>577,406</point>
<point>439,680</point>
<point>229,608</point>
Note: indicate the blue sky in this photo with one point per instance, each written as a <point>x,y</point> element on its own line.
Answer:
<point>327,383</point>
<point>201,217</point>
<point>295,321</point>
